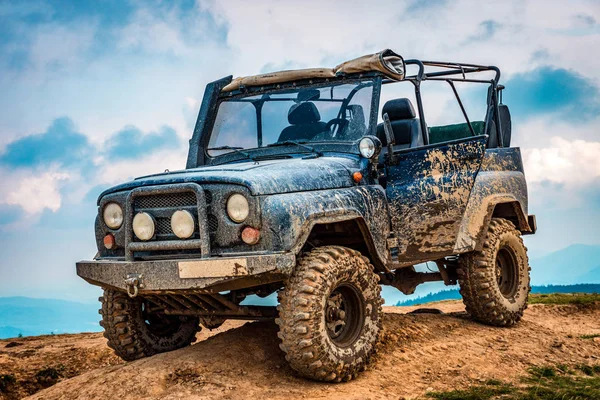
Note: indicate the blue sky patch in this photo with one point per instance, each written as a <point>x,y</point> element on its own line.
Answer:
<point>130,142</point>
<point>60,144</point>
<point>549,90</point>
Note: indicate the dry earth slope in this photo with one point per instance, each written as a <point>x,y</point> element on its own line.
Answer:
<point>419,353</point>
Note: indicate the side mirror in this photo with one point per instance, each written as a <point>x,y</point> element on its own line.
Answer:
<point>505,124</point>
<point>389,136</point>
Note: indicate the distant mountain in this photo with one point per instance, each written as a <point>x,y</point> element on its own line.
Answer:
<point>574,264</point>
<point>591,276</point>
<point>32,317</point>
<point>453,294</point>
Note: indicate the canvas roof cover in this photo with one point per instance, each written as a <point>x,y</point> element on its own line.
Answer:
<point>387,62</point>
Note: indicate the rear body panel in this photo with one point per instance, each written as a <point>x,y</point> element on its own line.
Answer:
<point>500,180</point>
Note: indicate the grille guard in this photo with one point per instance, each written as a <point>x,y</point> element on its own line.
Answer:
<point>203,243</point>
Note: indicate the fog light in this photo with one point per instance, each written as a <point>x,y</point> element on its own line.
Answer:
<point>250,235</point>
<point>109,241</point>
<point>182,224</point>
<point>143,226</point>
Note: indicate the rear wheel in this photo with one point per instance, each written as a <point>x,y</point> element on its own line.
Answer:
<point>494,282</point>
<point>133,331</point>
<point>330,314</point>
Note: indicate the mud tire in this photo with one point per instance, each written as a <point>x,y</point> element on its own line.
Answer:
<point>492,297</point>
<point>310,348</point>
<point>132,337</point>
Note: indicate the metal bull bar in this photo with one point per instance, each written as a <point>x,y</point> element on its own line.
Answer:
<point>203,243</point>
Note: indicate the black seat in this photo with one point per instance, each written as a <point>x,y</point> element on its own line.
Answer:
<point>305,123</point>
<point>405,125</point>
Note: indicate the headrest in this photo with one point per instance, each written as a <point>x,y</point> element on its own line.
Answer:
<point>303,113</point>
<point>308,94</point>
<point>399,109</point>
<point>357,115</point>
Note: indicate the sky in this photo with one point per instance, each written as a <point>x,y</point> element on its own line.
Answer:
<point>96,93</point>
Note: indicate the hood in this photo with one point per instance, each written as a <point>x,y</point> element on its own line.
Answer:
<point>262,178</point>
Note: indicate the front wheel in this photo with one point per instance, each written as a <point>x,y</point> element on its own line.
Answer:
<point>494,282</point>
<point>330,314</point>
<point>133,331</point>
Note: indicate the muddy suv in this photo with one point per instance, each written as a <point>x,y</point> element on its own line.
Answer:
<point>293,187</point>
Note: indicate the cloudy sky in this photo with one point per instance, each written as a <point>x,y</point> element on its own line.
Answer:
<point>94,93</point>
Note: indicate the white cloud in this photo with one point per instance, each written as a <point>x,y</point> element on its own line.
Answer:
<point>574,163</point>
<point>336,32</point>
<point>192,103</point>
<point>36,193</point>
<point>113,173</point>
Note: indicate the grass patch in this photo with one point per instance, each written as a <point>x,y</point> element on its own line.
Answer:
<point>565,298</point>
<point>541,383</point>
<point>592,336</point>
<point>479,392</point>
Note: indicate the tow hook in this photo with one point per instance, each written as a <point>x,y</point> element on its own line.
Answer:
<point>133,283</point>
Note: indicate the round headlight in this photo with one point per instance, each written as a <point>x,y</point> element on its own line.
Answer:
<point>143,226</point>
<point>367,147</point>
<point>113,215</point>
<point>182,224</point>
<point>237,208</point>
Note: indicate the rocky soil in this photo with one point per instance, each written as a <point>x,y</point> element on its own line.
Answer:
<point>440,349</point>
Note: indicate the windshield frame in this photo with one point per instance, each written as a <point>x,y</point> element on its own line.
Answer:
<point>322,146</point>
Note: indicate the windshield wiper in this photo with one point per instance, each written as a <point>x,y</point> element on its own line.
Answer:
<point>299,144</point>
<point>235,149</point>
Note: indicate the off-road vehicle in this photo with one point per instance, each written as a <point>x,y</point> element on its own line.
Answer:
<point>293,187</point>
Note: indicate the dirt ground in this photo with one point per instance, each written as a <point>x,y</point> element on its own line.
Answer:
<point>420,352</point>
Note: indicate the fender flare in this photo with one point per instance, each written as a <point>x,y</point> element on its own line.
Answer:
<point>523,224</point>
<point>378,259</point>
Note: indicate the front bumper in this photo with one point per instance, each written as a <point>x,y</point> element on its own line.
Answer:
<point>207,274</point>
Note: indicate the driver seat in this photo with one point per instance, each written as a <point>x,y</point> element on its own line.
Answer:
<point>305,123</point>
<point>405,124</point>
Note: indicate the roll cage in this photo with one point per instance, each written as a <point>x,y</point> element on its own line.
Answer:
<point>449,72</point>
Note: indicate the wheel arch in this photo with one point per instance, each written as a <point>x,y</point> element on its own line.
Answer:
<point>349,230</point>
<point>510,210</point>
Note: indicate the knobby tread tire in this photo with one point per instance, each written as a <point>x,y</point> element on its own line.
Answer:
<point>302,305</point>
<point>478,283</point>
<point>129,336</point>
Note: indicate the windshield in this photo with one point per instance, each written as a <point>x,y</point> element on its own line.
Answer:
<point>332,113</point>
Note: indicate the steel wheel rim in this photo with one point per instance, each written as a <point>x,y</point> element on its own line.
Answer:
<point>507,272</point>
<point>344,315</point>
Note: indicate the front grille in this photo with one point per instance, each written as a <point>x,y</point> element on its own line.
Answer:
<point>213,223</point>
<point>170,200</point>
<point>163,227</point>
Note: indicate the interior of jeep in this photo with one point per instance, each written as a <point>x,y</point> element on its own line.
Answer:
<point>442,115</point>
<point>408,133</point>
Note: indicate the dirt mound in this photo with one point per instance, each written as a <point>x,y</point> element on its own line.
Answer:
<point>419,352</point>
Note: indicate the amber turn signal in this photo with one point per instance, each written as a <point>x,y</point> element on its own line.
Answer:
<point>109,241</point>
<point>250,235</point>
<point>357,176</point>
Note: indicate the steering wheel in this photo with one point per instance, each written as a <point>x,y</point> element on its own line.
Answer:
<point>340,122</point>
